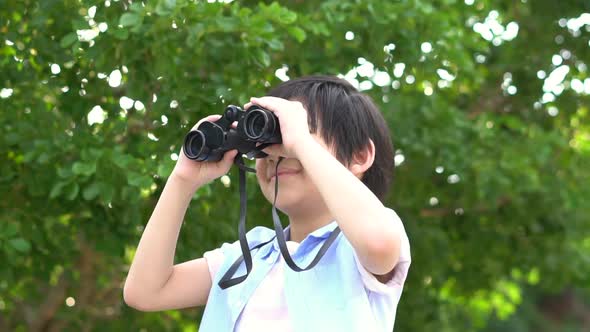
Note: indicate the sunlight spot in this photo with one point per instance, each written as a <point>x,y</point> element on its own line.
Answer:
<point>102,26</point>
<point>115,78</point>
<point>366,69</point>
<point>439,169</point>
<point>511,31</point>
<point>426,47</point>
<point>366,85</point>
<point>126,102</point>
<point>399,159</point>
<point>174,156</point>
<point>410,79</point>
<point>398,69</point>
<point>577,85</point>
<point>226,181</point>
<point>96,115</point>
<point>541,74</point>
<point>574,24</point>
<point>92,11</point>
<point>152,137</point>
<point>173,104</point>
<point>555,78</point>
<point>548,97</point>
<point>55,69</point>
<point>512,90</point>
<point>389,47</point>
<point>5,93</point>
<point>556,59</point>
<point>164,120</point>
<point>433,201</point>
<point>453,178</point>
<point>349,35</point>
<point>565,54</point>
<point>139,105</point>
<point>381,78</point>
<point>428,90</point>
<point>87,35</point>
<point>281,73</point>
<point>553,111</point>
<point>444,74</point>
<point>70,302</point>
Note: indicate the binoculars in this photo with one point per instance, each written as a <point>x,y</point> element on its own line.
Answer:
<point>211,140</point>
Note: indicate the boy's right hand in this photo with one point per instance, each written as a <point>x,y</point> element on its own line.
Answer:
<point>197,173</point>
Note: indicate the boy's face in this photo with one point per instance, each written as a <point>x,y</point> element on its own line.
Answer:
<point>296,190</point>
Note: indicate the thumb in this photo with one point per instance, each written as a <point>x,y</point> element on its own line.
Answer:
<point>229,156</point>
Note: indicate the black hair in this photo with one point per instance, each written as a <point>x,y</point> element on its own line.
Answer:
<point>346,119</point>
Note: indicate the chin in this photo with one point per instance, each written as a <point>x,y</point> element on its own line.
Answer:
<point>288,198</point>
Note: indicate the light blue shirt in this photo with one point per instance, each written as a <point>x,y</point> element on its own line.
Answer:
<point>333,296</point>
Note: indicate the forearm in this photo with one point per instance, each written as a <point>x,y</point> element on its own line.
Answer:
<point>154,258</point>
<point>359,213</point>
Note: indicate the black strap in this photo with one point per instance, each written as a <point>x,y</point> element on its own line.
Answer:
<point>281,235</point>
<point>227,280</point>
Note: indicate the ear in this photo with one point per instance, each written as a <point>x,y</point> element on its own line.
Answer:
<point>362,160</point>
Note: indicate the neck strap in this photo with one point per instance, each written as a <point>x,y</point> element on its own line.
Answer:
<point>227,280</point>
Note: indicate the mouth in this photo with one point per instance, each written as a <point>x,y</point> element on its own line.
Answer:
<point>284,173</point>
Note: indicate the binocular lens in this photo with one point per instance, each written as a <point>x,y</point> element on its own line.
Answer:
<point>194,144</point>
<point>259,124</point>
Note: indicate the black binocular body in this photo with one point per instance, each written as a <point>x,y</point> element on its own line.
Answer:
<point>211,140</point>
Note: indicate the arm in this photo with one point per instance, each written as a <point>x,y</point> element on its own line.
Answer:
<point>153,282</point>
<point>361,216</point>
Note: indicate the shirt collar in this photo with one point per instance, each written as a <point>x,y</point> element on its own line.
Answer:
<point>321,233</point>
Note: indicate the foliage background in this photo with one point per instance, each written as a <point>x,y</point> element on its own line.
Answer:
<point>487,101</point>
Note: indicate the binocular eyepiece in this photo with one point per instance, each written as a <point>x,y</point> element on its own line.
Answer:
<point>211,140</point>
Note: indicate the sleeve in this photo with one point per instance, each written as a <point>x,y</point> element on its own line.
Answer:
<point>400,271</point>
<point>214,261</point>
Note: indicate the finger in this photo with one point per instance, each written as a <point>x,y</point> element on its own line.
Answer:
<point>230,155</point>
<point>275,150</point>
<point>211,118</point>
<point>273,104</point>
<point>234,124</point>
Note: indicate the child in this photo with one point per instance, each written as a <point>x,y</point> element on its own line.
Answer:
<point>337,167</point>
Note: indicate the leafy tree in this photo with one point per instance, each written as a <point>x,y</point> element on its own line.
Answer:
<point>487,101</point>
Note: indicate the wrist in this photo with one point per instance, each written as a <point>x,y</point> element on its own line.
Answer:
<point>304,145</point>
<point>189,187</point>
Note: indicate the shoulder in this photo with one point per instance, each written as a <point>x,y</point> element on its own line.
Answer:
<point>229,252</point>
<point>255,236</point>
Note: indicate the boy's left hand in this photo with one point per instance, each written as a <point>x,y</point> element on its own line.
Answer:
<point>293,122</point>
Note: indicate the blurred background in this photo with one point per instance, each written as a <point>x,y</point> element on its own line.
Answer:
<point>487,101</point>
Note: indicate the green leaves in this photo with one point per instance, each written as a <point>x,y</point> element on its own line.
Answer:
<point>132,20</point>
<point>84,168</point>
<point>68,39</point>
<point>297,33</point>
<point>20,245</point>
<point>484,179</point>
